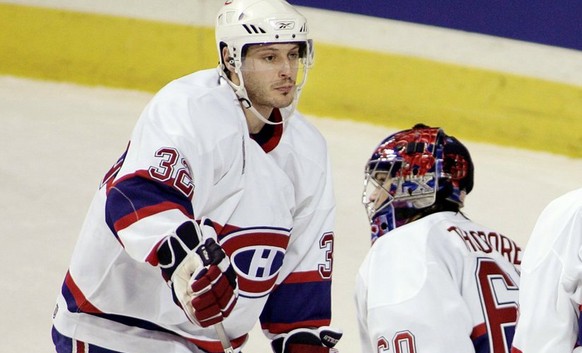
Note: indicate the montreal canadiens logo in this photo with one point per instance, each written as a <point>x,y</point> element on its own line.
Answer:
<point>257,256</point>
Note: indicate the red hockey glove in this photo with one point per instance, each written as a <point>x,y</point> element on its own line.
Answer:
<point>305,340</point>
<point>214,288</point>
<point>203,281</point>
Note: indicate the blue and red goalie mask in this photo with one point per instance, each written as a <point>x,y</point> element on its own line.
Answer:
<point>410,171</point>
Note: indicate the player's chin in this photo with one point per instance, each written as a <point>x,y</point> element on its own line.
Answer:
<point>284,100</point>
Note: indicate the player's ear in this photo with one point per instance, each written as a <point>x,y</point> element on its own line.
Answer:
<point>227,60</point>
<point>230,64</point>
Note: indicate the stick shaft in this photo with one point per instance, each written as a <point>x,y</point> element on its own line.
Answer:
<point>223,338</point>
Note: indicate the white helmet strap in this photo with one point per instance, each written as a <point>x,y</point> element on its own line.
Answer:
<point>243,96</point>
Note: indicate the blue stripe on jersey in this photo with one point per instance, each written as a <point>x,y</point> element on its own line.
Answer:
<point>64,344</point>
<point>482,344</point>
<point>509,333</point>
<point>303,302</point>
<point>69,298</point>
<point>137,197</point>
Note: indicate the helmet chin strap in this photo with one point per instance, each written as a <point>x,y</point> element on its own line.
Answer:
<point>243,97</point>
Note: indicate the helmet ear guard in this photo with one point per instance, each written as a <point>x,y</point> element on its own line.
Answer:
<point>422,170</point>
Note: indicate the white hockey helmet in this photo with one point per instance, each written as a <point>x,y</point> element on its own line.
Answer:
<point>244,22</point>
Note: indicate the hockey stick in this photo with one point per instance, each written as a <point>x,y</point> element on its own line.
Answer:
<point>223,338</point>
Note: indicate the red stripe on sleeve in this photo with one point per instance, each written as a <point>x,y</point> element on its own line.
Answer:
<point>82,303</point>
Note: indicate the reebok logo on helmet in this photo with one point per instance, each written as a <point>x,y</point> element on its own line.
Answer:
<point>284,25</point>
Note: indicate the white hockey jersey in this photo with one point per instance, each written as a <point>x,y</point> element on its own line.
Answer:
<point>190,156</point>
<point>440,284</point>
<point>551,283</point>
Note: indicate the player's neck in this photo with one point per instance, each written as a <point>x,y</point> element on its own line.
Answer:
<point>253,122</point>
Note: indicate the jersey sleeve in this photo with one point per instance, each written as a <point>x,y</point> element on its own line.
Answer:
<point>302,296</point>
<point>551,280</point>
<point>169,170</point>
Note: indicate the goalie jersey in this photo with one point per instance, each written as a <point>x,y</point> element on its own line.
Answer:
<point>551,284</point>
<point>439,284</point>
<point>269,200</point>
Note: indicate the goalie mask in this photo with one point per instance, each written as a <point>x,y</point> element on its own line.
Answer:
<point>241,23</point>
<point>413,173</point>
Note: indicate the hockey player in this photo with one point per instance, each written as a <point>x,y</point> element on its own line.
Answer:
<point>219,213</point>
<point>433,280</point>
<point>551,288</point>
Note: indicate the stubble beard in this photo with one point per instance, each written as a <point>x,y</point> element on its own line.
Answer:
<point>269,97</point>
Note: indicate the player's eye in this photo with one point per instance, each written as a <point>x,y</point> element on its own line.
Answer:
<point>380,178</point>
<point>270,58</point>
